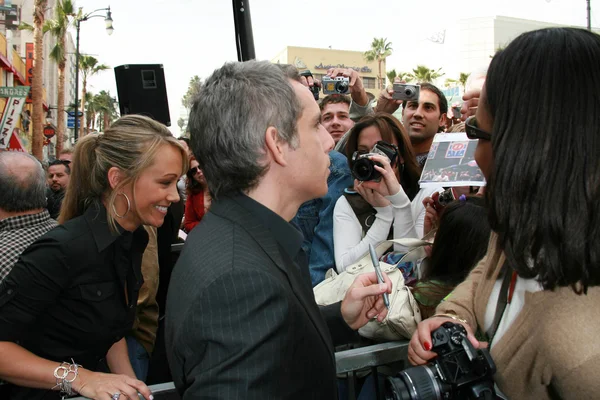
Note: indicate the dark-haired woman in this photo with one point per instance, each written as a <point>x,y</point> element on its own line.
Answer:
<point>395,202</point>
<point>198,197</point>
<point>536,293</point>
<point>460,242</point>
<point>71,298</point>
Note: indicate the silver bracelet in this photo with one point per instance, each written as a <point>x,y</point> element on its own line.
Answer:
<point>63,381</point>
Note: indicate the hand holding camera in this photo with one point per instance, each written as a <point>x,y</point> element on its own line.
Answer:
<point>371,196</point>
<point>314,85</point>
<point>461,368</point>
<point>345,81</point>
<point>385,102</point>
<point>375,169</point>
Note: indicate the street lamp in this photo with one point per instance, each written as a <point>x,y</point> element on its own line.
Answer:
<point>109,29</point>
<point>589,14</point>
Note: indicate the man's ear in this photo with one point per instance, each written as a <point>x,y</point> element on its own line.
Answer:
<point>275,146</point>
<point>114,177</point>
<point>443,119</point>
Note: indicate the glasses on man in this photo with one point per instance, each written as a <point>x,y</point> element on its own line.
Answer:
<point>473,132</point>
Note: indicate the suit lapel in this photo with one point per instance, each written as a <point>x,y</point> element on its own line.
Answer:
<point>237,213</point>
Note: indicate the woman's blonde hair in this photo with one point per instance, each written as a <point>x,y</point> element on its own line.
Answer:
<point>130,144</point>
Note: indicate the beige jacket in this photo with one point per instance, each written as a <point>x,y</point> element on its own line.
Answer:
<point>552,349</point>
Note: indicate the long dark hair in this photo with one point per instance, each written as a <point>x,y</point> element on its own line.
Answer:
<point>544,185</point>
<point>390,127</point>
<point>460,243</point>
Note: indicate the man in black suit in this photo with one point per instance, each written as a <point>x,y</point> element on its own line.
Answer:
<point>242,322</point>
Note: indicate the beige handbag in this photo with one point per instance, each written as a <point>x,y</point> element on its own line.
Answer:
<point>403,315</point>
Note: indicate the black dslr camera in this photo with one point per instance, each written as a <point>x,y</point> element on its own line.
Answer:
<point>458,372</point>
<point>363,169</point>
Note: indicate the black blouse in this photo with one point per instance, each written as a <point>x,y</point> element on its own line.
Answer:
<point>73,292</point>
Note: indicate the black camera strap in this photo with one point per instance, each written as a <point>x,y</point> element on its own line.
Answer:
<point>503,300</point>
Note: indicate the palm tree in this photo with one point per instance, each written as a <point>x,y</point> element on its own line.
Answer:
<point>38,116</point>
<point>424,74</point>
<point>463,80</point>
<point>58,27</point>
<point>380,50</point>
<point>193,89</point>
<point>91,109</point>
<point>88,66</point>
<point>391,75</point>
<point>106,107</point>
<point>450,82</point>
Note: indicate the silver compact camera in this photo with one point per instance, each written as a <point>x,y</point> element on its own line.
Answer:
<point>336,85</point>
<point>405,92</point>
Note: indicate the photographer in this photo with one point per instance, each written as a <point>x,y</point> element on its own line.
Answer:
<point>536,293</point>
<point>422,118</point>
<point>338,111</point>
<point>394,201</point>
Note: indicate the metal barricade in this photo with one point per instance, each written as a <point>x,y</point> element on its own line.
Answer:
<point>177,247</point>
<point>347,362</point>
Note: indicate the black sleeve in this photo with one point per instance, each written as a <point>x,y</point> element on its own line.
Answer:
<point>32,286</point>
<point>341,333</point>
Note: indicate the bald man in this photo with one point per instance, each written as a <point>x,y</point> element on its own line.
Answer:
<point>23,214</point>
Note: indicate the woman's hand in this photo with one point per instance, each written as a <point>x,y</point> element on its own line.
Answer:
<point>389,184</point>
<point>431,215</point>
<point>419,348</point>
<point>100,386</point>
<point>371,196</point>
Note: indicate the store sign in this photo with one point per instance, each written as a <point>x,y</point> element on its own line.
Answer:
<point>12,112</point>
<point>29,68</point>
<point>357,69</point>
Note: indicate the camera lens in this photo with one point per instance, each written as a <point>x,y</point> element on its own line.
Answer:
<point>342,87</point>
<point>363,169</point>
<point>409,92</point>
<point>417,383</point>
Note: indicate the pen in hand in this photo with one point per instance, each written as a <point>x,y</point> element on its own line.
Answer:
<point>375,260</point>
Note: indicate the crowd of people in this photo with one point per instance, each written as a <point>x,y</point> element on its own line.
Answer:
<point>267,193</point>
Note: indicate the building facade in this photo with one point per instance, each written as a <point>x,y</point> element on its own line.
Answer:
<point>318,61</point>
<point>14,45</point>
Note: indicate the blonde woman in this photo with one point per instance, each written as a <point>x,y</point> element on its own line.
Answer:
<point>71,298</point>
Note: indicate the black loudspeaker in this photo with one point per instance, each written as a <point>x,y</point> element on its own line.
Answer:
<point>141,89</point>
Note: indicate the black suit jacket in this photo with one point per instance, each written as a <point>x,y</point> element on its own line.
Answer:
<point>242,322</point>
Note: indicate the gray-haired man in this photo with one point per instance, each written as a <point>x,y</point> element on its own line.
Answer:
<point>242,321</point>
<point>23,214</point>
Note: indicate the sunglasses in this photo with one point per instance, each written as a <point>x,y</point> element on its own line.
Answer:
<point>193,171</point>
<point>473,132</point>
